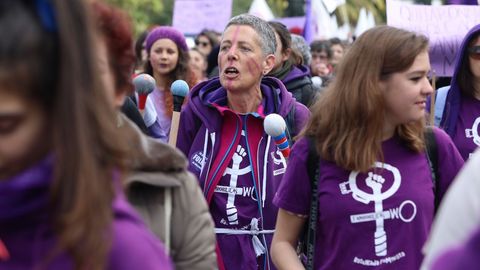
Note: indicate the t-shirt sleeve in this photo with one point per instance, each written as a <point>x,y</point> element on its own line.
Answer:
<point>449,160</point>
<point>294,192</point>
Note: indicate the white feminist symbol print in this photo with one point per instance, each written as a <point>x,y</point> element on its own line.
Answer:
<point>473,132</point>
<point>375,182</point>
<point>232,190</point>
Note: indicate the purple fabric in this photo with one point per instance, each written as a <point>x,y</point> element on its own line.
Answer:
<point>464,257</point>
<point>308,31</point>
<point>466,136</point>
<point>452,103</point>
<point>28,236</point>
<point>162,130</point>
<point>199,136</point>
<point>462,2</point>
<point>168,32</point>
<point>351,205</point>
<point>296,72</point>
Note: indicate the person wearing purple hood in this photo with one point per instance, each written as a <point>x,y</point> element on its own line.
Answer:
<point>61,159</point>
<point>289,67</point>
<point>221,132</point>
<point>460,114</point>
<point>375,186</point>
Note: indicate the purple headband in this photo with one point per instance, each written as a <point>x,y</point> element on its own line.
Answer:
<point>166,32</point>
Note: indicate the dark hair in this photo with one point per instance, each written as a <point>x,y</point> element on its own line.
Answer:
<point>321,46</point>
<point>50,60</point>
<point>283,34</point>
<point>212,59</point>
<point>139,47</point>
<point>465,76</point>
<point>116,31</point>
<point>210,35</point>
<point>351,111</point>
<point>336,41</point>
<point>286,39</point>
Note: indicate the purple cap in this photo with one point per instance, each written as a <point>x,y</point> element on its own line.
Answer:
<point>168,32</point>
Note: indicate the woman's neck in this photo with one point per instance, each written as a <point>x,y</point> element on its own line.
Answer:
<point>161,81</point>
<point>388,130</point>
<point>244,102</point>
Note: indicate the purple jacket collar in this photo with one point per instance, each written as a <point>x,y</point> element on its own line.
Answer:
<point>296,72</point>
<point>276,98</point>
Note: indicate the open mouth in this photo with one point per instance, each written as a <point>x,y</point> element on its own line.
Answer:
<point>231,71</point>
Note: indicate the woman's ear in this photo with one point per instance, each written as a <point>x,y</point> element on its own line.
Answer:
<point>268,63</point>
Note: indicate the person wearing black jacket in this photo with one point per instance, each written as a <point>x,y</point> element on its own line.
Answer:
<point>289,67</point>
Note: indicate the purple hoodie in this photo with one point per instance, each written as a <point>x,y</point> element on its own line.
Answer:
<point>299,83</point>
<point>27,234</point>
<point>454,100</point>
<point>211,136</point>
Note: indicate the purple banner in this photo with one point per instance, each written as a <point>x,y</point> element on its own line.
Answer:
<point>192,16</point>
<point>462,2</point>
<point>445,26</point>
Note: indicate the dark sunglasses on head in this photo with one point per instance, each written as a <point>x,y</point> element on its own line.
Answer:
<point>201,43</point>
<point>474,52</point>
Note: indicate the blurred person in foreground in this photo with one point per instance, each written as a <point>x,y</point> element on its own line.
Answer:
<point>454,243</point>
<point>158,184</point>
<point>62,161</point>
<point>238,165</point>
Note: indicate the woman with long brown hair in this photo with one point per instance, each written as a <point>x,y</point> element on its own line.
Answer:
<point>375,194</point>
<point>61,160</point>
<point>168,60</point>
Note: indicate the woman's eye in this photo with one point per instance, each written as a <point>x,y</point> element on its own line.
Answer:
<point>8,124</point>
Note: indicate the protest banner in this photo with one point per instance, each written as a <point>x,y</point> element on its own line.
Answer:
<point>192,16</point>
<point>445,26</point>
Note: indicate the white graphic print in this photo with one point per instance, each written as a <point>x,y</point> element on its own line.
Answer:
<point>375,182</point>
<point>473,132</point>
<point>234,172</point>
<point>279,159</point>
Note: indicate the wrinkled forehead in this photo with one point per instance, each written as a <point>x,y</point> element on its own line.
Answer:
<point>237,33</point>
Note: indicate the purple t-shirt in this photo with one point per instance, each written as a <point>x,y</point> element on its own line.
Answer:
<point>378,219</point>
<point>164,122</point>
<point>467,137</point>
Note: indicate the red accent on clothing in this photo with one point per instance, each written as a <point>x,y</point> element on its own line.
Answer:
<point>231,122</point>
<point>255,133</point>
<point>4,254</point>
<point>221,265</point>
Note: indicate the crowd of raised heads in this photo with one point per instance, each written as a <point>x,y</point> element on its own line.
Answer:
<point>249,148</point>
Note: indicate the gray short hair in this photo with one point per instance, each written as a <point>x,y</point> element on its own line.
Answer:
<point>261,27</point>
<point>299,44</point>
